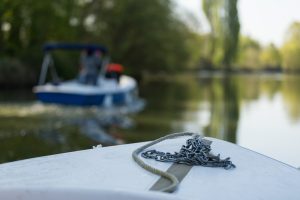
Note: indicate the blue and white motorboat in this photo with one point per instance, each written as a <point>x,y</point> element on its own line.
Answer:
<point>107,92</point>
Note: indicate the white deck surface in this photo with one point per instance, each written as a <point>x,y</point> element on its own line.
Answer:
<point>110,173</point>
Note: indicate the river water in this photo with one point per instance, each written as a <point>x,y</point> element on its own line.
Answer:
<point>259,112</point>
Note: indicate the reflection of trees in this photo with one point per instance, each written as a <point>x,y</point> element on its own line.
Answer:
<point>172,101</point>
<point>224,109</point>
<point>32,136</point>
<point>231,109</point>
<point>291,95</point>
<point>251,87</point>
<point>248,87</point>
<point>270,86</point>
<point>168,100</point>
<point>26,132</point>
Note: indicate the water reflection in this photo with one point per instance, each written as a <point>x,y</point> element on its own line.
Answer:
<point>260,112</point>
<point>291,96</point>
<point>32,129</point>
<point>224,108</point>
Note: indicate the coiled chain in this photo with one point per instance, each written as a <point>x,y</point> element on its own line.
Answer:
<point>195,152</point>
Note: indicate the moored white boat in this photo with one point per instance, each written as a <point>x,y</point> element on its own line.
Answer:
<point>111,173</point>
<point>104,92</point>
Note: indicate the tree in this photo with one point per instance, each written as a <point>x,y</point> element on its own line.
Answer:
<point>270,57</point>
<point>231,32</point>
<point>223,18</point>
<point>142,35</point>
<point>211,10</point>
<point>291,48</point>
<point>249,54</point>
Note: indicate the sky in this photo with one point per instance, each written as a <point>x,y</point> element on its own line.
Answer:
<point>264,20</point>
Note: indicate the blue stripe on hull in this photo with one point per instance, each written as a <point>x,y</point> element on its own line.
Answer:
<point>119,98</point>
<point>79,100</point>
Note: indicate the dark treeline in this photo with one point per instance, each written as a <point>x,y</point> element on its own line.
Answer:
<point>146,36</point>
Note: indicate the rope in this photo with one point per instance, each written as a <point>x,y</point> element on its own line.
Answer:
<point>135,155</point>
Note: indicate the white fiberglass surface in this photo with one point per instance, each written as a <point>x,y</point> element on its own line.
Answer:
<point>112,168</point>
<point>104,86</point>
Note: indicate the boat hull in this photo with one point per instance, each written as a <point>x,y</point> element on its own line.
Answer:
<point>112,169</point>
<point>107,93</point>
<point>81,99</point>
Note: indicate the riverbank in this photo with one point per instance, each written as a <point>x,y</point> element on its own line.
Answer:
<point>14,75</point>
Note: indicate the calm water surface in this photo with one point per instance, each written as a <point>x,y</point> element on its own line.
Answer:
<point>259,112</point>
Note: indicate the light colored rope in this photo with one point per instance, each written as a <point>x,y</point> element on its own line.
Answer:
<point>135,155</point>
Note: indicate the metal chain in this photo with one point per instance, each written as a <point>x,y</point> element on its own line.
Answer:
<point>195,152</point>
<point>196,149</point>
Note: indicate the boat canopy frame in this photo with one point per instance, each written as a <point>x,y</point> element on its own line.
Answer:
<point>48,60</point>
<point>74,46</point>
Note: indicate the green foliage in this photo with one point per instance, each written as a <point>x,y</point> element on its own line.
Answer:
<point>291,48</point>
<point>249,54</point>
<point>34,22</point>
<point>270,57</point>
<point>193,42</point>
<point>211,10</point>
<point>14,71</point>
<point>143,35</point>
<point>223,18</point>
<point>148,36</point>
<point>231,32</point>
<point>31,24</point>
